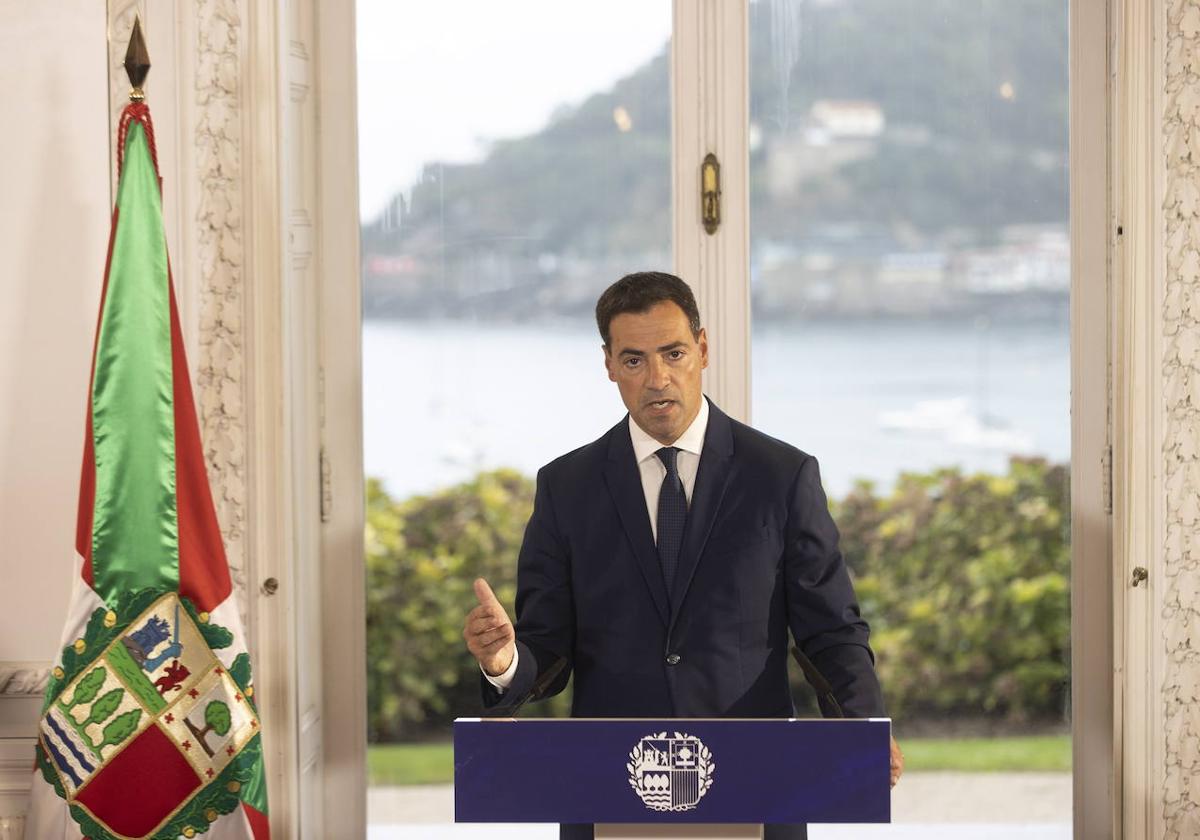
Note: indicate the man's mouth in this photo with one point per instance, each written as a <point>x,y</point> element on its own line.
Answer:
<point>660,405</point>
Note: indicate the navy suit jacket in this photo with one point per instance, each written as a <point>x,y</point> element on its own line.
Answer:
<point>759,558</point>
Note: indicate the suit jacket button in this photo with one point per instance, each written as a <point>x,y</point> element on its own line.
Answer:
<point>673,659</point>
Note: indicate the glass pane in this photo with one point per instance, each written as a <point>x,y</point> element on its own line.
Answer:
<point>910,288</point>
<point>515,161</point>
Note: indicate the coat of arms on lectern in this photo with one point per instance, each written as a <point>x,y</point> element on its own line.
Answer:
<point>670,772</point>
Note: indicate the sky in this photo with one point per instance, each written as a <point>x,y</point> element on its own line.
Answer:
<point>437,81</point>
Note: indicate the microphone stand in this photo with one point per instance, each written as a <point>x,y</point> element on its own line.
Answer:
<point>817,680</point>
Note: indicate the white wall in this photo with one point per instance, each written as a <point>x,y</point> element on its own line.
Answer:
<point>54,213</point>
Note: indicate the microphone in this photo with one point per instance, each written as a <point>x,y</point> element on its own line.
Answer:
<point>817,680</point>
<point>539,687</point>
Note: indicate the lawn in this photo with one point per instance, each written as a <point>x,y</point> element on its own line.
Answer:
<point>983,755</point>
<point>433,763</point>
<point>410,764</point>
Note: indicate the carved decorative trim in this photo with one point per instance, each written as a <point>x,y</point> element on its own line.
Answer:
<point>221,366</point>
<point>1181,448</point>
<point>23,679</point>
<point>16,756</point>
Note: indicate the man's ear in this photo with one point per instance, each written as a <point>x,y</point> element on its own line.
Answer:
<point>608,363</point>
<point>702,340</point>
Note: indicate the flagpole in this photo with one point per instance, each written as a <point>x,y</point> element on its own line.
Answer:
<point>137,62</point>
<point>137,67</point>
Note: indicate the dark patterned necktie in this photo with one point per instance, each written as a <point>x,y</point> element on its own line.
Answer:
<point>672,514</point>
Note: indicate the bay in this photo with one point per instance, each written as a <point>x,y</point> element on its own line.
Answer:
<point>446,399</point>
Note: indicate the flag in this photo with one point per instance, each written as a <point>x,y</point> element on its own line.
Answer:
<point>149,726</point>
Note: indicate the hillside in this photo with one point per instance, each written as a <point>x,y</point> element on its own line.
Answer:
<point>973,106</point>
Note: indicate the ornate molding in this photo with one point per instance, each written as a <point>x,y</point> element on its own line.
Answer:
<point>1181,446</point>
<point>23,679</point>
<point>220,239</point>
<point>16,755</point>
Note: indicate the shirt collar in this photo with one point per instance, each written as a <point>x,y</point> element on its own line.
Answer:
<point>692,440</point>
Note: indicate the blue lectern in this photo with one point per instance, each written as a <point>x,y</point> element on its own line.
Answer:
<point>732,775</point>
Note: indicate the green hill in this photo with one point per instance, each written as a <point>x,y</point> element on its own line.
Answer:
<point>974,101</point>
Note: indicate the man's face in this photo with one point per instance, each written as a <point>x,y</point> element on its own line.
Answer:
<point>656,362</point>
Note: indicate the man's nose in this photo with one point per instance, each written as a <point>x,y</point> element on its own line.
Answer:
<point>660,375</point>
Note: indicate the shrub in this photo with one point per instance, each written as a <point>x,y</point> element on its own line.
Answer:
<point>422,556</point>
<point>966,582</point>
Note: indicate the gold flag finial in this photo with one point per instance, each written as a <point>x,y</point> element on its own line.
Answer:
<point>137,61</point>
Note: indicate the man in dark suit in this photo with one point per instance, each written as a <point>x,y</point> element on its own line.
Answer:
<point>667,561</point>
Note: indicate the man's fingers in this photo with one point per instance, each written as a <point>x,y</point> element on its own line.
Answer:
<point>485,626</point>
<point>477,640</point>
<point>488,630</point>
<point>486,652</point>
<point>486,617</point>
<point>500,634</point>
<point>484,593</point>
<point>482,619</point>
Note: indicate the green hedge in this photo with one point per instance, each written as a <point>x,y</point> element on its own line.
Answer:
<point>966,582</point>
<point>964,579</point>
<point>422,556</point>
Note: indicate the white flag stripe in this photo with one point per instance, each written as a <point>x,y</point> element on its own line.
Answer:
<point>84,601</point>
<point>49,817</point>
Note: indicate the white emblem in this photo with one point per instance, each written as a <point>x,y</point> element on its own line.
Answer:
<point>670,773</point>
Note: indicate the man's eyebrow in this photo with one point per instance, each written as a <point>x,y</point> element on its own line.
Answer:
<point>629,351</point>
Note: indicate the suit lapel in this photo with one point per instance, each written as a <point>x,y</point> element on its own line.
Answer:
<point>624,484</point>
<point>712,477</point>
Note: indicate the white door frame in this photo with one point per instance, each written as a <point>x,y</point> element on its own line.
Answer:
<point>1095,728</point>
<point>710,112</point>
<point>305,393</point>
<point>343,494</point>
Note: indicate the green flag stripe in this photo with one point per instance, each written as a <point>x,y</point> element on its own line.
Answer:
<point>254,792</point>
<point>135,534</point>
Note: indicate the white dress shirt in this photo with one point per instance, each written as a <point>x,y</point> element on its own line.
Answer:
<point>653,471</point>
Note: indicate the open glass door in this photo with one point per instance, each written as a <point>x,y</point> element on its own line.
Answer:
<point>910,270</point>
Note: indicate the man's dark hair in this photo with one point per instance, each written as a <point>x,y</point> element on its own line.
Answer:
<point>640,291</point>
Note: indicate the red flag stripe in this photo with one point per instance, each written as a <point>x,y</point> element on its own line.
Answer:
<point>203,569</point>
<point>259,825</point>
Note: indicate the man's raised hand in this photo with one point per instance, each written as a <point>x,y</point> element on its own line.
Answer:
<point>489,633</point>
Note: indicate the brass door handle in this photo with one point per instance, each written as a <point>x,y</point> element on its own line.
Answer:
<point>1139,575</point>
<point>710,193</point>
